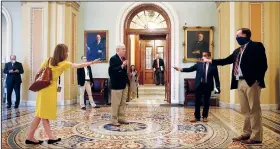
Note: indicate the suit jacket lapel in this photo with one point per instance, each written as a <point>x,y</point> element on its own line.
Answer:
<point>209,67</point>
<point>246,50</point>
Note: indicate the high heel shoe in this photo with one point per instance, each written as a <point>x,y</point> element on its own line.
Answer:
<point>34,143</point>
<point>54,141</point>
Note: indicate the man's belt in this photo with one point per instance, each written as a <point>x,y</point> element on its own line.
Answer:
<point>241,78</point>
<point>87,80</point>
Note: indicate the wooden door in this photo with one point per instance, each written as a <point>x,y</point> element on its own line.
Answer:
<point>149,49</point>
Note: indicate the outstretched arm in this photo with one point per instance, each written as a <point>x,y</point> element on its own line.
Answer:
<point>74,65</point>
<point>191,69</point>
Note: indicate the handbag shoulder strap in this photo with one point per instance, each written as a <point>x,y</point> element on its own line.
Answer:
<point>48,63</point>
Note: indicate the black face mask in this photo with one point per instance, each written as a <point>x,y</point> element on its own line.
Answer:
<point>242,40</point>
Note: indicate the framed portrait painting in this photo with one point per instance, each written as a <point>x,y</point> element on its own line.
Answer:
<point>196,41</point>
<point>96,45</point>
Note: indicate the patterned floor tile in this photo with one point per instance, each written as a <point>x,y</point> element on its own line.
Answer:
<point>150,127</point>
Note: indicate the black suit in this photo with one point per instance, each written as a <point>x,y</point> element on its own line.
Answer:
<point>203,86</point>
<point>93,52</point>
<point>13,81</point>
<point>81,75</point>
<point>118,75</point>
<point>159,73</point>
<point>253,64</point>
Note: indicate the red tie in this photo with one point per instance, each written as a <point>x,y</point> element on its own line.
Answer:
<point>236,65</point>
<point>123,59</point>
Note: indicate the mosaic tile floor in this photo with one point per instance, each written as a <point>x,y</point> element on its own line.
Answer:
<point>150,127</point>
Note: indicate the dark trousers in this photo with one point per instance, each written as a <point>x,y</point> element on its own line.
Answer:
<point>202,90</point>
<point>159,77</point>
<point>16,87</point>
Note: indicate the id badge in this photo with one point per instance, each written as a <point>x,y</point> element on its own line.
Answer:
<point>58,89</point>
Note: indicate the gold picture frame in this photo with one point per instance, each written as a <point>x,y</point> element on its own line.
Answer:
<point>197,40</point>
<point>94,49</point>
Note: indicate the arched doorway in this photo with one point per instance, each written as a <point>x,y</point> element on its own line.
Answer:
<point>149,26</point>
<point>6,35</point>
<point>173,47</point>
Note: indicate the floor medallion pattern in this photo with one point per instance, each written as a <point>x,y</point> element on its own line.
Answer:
<point>150,127</point>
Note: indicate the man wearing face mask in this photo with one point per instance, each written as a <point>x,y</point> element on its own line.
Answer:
<point>85,80</point>
<point>204,85</point>
<point>249,68</point>
<point>13,70</point>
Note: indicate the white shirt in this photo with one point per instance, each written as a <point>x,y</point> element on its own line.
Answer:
<point>239,69</point>
<point>86,73</point>
<point>207,66</point>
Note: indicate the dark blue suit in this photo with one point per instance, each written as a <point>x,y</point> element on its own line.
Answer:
<point>93,54</point>
<point>13,81</point>
<point>204,86</point>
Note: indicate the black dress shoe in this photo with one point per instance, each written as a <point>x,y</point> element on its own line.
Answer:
<point>16,107</point>
<point>96,107</point>
<point>83,108</point>
<point>8,107</point>
<point>54,141</point>
<point>34,143</point>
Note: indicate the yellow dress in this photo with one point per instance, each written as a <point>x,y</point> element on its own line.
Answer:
<point>47,97</point>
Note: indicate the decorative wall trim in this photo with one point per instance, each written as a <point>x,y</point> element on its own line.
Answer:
<point>9,32</point>
<point>31,40</point>
<point>73,46</point>
<point>74,5</point>
<point>218,4</point>
<point>174,19</point>
<point>262,18</point>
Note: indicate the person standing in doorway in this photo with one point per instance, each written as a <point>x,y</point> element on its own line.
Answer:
<point>158,67</point>
<point>13,70</point>
<point>119,85</point>
<point>204,85</point>
<point>134,83</point>
<point>85,81</point>
<point>248,71</point>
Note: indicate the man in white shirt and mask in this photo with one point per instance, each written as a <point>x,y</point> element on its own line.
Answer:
<point>85,81</point>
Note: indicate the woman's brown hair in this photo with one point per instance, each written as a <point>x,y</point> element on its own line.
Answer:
<point>59,54</point>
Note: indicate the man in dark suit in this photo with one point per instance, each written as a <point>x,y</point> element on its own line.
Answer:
<point>85,81</point>
<point>119,85</point>
<point>13,70</point>
<point>158,67</point>
<point>204,85</point>
<point>96,49</point>
<point>249,68</point>
<point>199,46</point>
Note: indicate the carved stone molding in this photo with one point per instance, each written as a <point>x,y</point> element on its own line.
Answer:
<point>74,5</point>
<point>218,4</point>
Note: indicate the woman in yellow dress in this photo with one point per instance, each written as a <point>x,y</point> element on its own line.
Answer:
<point>46,98</point>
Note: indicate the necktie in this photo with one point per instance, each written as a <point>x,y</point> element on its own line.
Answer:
<point>236,65</point>
<point>123,59</point>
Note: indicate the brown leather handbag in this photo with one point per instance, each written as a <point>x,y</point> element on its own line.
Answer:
<point>42,79</point>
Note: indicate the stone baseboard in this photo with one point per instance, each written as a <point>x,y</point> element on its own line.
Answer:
<point>237,106</point>
<point>60,103</point>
